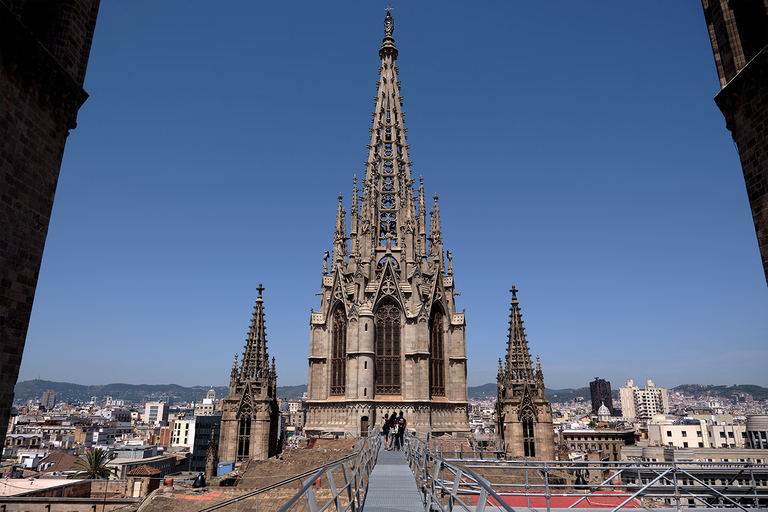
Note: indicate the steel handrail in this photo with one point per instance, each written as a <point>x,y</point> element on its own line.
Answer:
<point>365,458</point>
<point>441,479</point>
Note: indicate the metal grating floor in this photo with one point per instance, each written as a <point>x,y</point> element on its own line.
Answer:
<point>392,486</point>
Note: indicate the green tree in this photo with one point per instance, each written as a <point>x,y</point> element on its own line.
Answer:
<point>94,465</point>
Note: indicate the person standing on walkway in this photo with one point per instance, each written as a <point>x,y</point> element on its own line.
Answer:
<point>401,424</point>
<point>392,431</point>
<point>385,431</point>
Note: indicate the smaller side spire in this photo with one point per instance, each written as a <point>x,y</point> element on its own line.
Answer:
<point>422,220</point>
<point>353,211</point>
<point>255,362</point>
<point>211,455</point>
<point>519,365</point>
<point>436,235</point>
<point>233,377</point>
<point>539,374</point>
<point>340,234</point>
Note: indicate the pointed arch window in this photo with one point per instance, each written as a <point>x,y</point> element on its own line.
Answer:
<point>244,435</point>
<point>436,356</point>
<point>387,347</point>
<point>339,352</point>
<point>529,437</point>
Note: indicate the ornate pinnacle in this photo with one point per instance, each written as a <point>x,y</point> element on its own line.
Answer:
<point>539,374</point>
<point>339,236</point>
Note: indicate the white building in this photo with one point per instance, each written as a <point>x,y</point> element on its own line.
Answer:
<point>156,413</point>
<point>182,432</point>
<point>643,403</point>
<point>696,433</point>
<point>208,407</point>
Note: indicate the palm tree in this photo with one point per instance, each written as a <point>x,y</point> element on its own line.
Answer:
<point>94,465</point>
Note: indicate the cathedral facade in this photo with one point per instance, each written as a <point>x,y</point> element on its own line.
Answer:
<point>250,414</point>
<point>523,414</point>
<point>387,336</point>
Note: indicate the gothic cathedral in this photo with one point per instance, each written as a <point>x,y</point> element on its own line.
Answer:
<point>250,415</point>
<point>523,414</point>
<point>387,336</point>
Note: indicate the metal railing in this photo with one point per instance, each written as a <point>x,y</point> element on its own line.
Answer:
<point>447,486</point>
<point>350,496</point>
<point>474,484</point>
<point>341,483</point>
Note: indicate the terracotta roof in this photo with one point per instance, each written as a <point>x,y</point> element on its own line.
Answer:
<point>144,470</point>
<point>63,461</point>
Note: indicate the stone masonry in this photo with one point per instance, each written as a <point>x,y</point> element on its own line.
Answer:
<point>44,48</point>
<point>738,32</point>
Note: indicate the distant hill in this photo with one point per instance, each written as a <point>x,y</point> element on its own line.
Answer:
<point>291,392</point>
<point>702,391</point>
<point>487,391</point>
<point>67,392</point>
<point>34,389</point>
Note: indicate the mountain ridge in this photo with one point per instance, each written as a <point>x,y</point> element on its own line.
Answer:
<point>69,392</point>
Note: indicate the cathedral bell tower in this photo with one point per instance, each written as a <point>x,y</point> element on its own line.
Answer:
<point>523,414</point>
<point>250,416</point>
<point>387,336</point>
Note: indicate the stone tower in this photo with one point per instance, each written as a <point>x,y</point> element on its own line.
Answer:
<point>387,336</point>
<point>738,32</point>
<point>523,414</point>
<point>249,420</point>
<point>44,49</point>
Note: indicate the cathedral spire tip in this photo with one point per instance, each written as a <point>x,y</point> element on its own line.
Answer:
<point>389,22</point>
<point>260,289</point>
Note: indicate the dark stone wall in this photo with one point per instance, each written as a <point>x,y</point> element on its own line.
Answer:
<point>744,103</point>
<point>738,32</point>
<point>44,48</point>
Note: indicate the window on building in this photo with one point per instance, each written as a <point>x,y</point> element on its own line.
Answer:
<point>722,434</point>
<point>684,433</point>
<point>685,444</point>
<point>669,433</point>
<point>670,443</point>
<point>529,437</point>
<point>244,436</point>
<point>436,357</point>
<point>698,433</point>
<point>730,434</point>
<point>701,445</point>
<point>387,346</point>
<point>339,352</point>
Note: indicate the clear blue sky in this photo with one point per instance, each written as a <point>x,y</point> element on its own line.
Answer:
<point>575,146</point>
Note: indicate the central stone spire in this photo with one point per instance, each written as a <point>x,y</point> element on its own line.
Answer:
<point>387,336</point>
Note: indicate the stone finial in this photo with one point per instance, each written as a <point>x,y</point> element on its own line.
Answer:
<point>389,23</point>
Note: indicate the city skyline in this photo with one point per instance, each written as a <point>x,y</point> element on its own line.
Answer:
<point>577,153</point>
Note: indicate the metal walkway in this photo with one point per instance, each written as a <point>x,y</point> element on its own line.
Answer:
<point>392,487</point>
